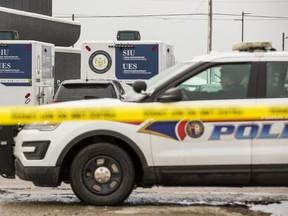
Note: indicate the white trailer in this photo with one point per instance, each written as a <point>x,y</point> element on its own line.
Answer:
<point>26,78</point>
<point>125,60</point>
<point>26,72</point>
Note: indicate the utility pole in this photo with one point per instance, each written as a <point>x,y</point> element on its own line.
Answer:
<point>283,41</point>
<point>242,38</point>
<point>73,19</point>
<point>242,20</point>
<point>210,26</point>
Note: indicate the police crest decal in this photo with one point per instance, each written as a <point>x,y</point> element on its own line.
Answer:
<point>100,62</point>
<point>194,129</point>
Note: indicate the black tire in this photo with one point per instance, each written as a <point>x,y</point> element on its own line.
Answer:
<point>102,174</point>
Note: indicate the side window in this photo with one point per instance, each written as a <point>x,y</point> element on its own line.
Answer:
<point>277,80</point>
<point>218,82</point>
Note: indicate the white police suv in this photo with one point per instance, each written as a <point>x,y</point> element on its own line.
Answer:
<point>105,160</point>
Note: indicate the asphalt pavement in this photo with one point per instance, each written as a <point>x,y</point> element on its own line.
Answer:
<point>19,197</point>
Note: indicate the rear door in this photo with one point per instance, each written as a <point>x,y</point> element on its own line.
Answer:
<point>47,91</point>
<point>270,149</point>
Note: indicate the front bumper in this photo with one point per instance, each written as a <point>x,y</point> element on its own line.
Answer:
<point>40,176</point>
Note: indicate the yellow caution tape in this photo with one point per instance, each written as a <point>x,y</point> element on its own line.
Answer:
<point>14,115</point>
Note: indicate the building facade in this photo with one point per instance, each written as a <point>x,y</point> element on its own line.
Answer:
<point>34,6</point>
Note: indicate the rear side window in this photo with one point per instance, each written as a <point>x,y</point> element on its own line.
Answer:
<point>86,91</point>
<point>277,80</point>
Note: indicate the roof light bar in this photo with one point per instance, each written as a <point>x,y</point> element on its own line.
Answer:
<point>253,46</point>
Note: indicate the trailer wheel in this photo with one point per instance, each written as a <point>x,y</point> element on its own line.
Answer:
<point>102,174</point>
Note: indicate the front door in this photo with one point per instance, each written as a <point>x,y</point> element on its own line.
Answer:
<point>206,151</point>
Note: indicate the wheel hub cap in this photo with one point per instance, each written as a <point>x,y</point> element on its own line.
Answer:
<point>102,175</point>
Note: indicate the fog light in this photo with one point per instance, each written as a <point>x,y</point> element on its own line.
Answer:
<point>39,150</point>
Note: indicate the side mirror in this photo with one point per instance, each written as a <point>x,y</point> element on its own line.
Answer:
<point>58,82</point>
<point>171,95</point>
<point>139,86</point>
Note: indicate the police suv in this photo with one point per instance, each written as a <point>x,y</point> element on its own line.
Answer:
<point>105,160</point>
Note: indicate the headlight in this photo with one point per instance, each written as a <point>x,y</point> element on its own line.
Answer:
<point>41,126</point>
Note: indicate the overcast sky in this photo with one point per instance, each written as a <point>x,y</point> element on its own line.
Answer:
<point>266,20</point>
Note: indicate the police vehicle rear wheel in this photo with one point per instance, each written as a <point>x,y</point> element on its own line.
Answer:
<point>102,174</point>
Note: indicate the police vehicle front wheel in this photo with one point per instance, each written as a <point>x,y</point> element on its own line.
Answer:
<point>102,174</point>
